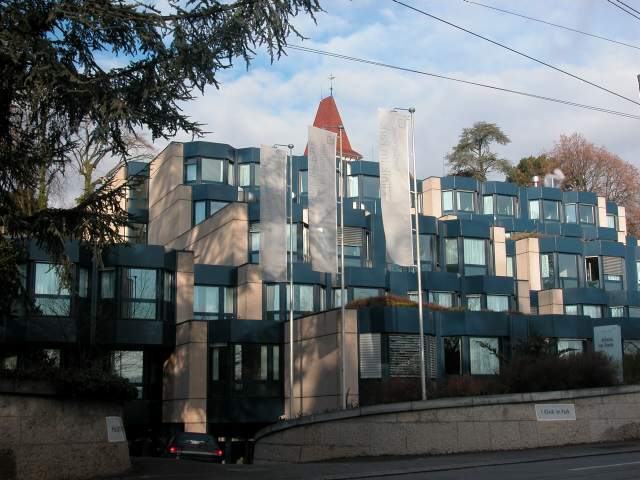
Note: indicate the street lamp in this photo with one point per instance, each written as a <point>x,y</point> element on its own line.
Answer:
<point>290,168</point>
<point>423,386</point>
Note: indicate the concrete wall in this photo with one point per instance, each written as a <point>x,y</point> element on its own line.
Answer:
<point>527,271</point>
<point>249,292</point>
<point>432,197</point>
<point>317,383</point>
<point>502,422</point>
<point>46,438</point>
<point>185,371</point>
<point>499,251</point>
<point>222,239</point>
<point>551,302</point>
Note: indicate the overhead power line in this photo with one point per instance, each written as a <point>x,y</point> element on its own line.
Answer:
<point>558,69</point>
<point>564,27</point>
<point>459,80</point>
<point>625,8</point>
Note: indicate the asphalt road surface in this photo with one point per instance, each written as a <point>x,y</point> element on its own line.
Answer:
<point>601,461</point>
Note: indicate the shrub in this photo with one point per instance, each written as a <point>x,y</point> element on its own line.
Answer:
<point>464,386</point>
<point>90,383</point>
<point>382,301</point>
<point>631,367</point>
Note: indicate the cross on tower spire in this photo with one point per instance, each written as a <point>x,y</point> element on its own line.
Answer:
<point>331,79</point>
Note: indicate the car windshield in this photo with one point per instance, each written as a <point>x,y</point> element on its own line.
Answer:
<point>195,440</point>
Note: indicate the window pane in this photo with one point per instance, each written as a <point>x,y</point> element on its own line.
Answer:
<point>352,187</point>
<point>504,205</point>
<point>237,362</point>
<point>611,221</point>
<point>474,251</point>
<point>83,282</point>
<point>359,292</point>
<point>48,280</point>
<point>567,347</point>
<point>229,302</point>
<point>534,209</point>
<point>212,170</point>
<point>570,213</point>
<point>54,306</point>
<point>139,310</point>
<point>370,187</point>
<point>140,283</point>
<point>498,303</point>
<point>509,266</point>
<point>129,365</point>
<point>451,254</point>
<point>263,362</point>
<point>465,201</point>
<point>568,267</point>
<point>592,311</point>
<point>215,206</point>
<point>483,361</point>
<point>617,312</point>
<point>304,181</point>
<point>244,175</point>
<point>206,299</point>
<point>487,204</point>
<point>199,212</point>
<point>215,364</point>
<point>547,270</point>
<point>473,303</point>
<point>571,309</point>
<point>273,298</point>
<point>107,284</point>
<point>230,174</point>
<point>444,299</point>
<point>276,361</point>
<point>586,214</point>
<point>447,201</point>
<point>292,243</point>
<point>551,210</point>
<point>337,297</point>
<point>192,172</point>
<point>452,355</point>
<point>256,173</point>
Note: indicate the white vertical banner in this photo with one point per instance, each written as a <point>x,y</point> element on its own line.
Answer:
<point>273,214</point>
<point>395,195</point>
<point>322,199</point>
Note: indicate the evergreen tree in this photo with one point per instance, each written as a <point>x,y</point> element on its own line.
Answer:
<point>122,66</point>
<point>472,156</point>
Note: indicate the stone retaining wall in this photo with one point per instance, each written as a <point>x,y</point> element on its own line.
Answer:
<point>501,422</point>
<point>45,438</point>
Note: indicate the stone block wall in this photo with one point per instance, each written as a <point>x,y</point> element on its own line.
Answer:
<point>501,422</point>
<point>46,438</point>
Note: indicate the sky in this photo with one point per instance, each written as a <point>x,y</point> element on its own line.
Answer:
<point>271,103</point>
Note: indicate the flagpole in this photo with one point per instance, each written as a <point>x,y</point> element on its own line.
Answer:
<point>291,301</point>
<point>343,356</point>
<point>423,385</point>
<point>423,373</point>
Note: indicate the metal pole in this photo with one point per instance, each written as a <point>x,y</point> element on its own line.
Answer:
<point>423,385</point>
<point>343,296</point>
<point>291,301</point>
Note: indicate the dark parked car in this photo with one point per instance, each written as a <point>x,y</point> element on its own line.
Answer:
<point>194,446</point>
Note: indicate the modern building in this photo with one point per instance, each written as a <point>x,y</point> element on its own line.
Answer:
<point>189,321</point>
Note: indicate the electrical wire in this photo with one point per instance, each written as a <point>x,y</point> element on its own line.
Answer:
<point>588,82</point>
<point>620,6</point>
<point>564,27</point>
<point>628,6</point>
<point>459,80</point>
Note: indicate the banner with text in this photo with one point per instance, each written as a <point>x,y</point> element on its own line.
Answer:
<point>395,196</point>
<point>322,199</point>
<point>273,214</point>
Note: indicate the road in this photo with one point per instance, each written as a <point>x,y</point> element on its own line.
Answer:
<point>602,461</point>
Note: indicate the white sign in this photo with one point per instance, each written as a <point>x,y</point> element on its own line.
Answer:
<point>115,430</point>
<point>554,412</point>
<point>608,340</point>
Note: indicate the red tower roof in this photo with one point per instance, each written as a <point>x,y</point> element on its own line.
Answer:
<point>328,118</point>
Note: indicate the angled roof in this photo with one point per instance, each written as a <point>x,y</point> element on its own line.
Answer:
<point>328,118</point>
